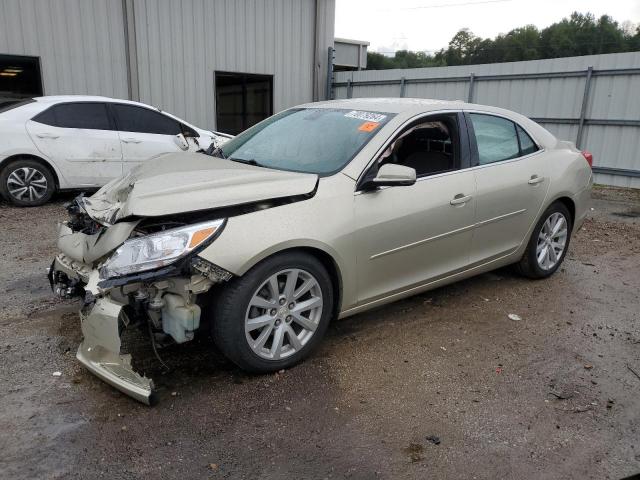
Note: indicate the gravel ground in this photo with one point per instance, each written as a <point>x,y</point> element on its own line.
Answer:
<point>551,396</point>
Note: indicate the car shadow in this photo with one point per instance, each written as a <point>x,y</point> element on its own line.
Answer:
<point>196,364</point>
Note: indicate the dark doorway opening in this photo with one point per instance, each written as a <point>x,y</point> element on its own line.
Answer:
<point>20,78</point>
<point>242,100</point>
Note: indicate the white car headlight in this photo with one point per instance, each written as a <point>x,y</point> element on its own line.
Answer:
<point>144,253</point>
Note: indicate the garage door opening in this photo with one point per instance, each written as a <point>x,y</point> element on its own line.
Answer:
<point>20,78</point>
<point>242,100</point>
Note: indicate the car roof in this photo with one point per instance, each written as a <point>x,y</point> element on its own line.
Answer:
<point>84,98</point>
<point>53,99</point>
<point>389,105</point>
<point>408,107</point>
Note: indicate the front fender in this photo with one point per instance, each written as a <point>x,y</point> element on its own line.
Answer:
<point>324,223</point>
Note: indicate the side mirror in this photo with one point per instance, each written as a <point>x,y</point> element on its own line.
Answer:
<point>391,175</point>
<point>181,142</point>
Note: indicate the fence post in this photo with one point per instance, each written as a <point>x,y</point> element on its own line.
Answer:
<point>328,86</point>
<point>583,109</point>
<point>349,88</point>
<point>402,86</point>
<point>472,78</point>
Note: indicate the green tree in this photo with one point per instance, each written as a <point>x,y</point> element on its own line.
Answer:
<point>580,34</point>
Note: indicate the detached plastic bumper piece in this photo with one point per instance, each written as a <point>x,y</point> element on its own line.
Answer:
<point>100,351</point>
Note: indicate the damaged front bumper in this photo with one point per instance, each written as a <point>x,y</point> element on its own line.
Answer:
<point>102,321</point>
<point>164,301</point>
<point>100,351</point>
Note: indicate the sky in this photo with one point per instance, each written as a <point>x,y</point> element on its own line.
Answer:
<point>391,25</point>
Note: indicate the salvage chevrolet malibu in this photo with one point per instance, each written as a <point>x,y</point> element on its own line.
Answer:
<point>319,212</point>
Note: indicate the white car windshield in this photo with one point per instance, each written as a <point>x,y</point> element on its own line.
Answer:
<point>310,140</point>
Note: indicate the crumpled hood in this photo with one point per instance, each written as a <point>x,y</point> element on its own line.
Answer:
<point>186,182</point>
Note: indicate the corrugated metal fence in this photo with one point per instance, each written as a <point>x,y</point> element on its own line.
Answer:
<point>591,100</point>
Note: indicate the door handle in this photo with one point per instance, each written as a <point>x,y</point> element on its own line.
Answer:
<point>460,199</point>
<point>131,140</point>
<point>535,179</point>
<point>47,135</point>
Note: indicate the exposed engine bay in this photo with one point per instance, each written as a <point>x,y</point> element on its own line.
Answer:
<point>131,252</point>
<point>163,302</point>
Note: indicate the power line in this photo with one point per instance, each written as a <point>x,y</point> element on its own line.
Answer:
<point>447,5</point>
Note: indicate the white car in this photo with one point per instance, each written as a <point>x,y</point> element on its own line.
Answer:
<point>82,142</point>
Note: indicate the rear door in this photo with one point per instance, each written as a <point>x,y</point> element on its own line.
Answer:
<point>144,133</point>
<point>512,182</point>
<point>79,137</point>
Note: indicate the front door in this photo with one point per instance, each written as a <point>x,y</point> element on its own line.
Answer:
<point>512,183</point>
<point>409,235</point>
<point>80,139</point>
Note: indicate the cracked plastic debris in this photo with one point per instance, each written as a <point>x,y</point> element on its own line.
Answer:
<point>100,351</point>
<point>211,271</point>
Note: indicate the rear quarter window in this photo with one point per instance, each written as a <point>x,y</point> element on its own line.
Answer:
<point>527,145</point>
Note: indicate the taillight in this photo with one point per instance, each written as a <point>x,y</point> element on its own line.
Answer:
<point>588,156</point>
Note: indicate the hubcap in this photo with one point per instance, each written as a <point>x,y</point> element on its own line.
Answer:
<point>283,314</point>
<point>27,183</point>
<point>552,240</point>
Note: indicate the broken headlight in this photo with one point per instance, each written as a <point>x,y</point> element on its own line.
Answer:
<point>148,252</point>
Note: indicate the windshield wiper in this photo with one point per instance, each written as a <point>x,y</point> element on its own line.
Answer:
<point>217,152</point>
<point>249,161</point>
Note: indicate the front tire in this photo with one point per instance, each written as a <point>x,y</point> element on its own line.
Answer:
<point>27,183</point>
<point>275,315</point>
<point>548,244</point>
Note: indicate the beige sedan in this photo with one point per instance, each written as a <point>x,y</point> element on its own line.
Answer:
<point>319,212</point>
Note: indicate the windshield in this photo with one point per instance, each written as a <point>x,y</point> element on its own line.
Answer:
<point>310,140</point>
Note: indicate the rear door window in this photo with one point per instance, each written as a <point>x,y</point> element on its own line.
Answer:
<point>91,116</point>
<point>496,138</point>
<point>130,118</point>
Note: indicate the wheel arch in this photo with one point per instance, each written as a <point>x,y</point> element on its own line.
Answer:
<point>28,156</point>
<point>567,201</point>
<point>322,253</point>
<point>332,267</point>
<point>570,204</point>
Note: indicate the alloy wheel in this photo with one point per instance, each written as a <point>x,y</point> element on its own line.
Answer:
<point>27,183</point>
<point>283,314</point>
<point>552,241</point>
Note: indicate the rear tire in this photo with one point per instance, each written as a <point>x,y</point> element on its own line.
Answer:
<point>275,315</point>
<point>27,183</point>
<point>548,244</point>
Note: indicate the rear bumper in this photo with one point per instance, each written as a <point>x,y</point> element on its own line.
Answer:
<point>582,200</point>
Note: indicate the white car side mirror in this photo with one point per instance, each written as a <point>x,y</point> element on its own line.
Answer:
<point>181,142</point>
